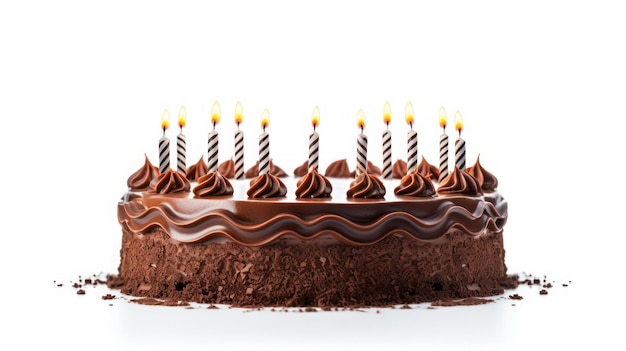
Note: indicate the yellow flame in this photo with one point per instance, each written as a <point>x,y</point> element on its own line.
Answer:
<point>408,113</point>
<point>182,116</point>
<point>387,113</point>
<point>360,119</point>
<point>238,113</point>
<point>265,119</point>
<point>315,119</point>
<point>443,120</point>
<point>458,121</point>
<point>216,111</point>
<point>165,119</point>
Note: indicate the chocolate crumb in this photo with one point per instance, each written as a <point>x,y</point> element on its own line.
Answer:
<point>212,307</point>
<point>405,307</point>
<point>543,292</point>
<point>80,292</point>
<point>516,297</point>
<point>108,297</point>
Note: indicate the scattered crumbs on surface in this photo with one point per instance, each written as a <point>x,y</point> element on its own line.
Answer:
<point>543,292</point>
<point>516,297</point>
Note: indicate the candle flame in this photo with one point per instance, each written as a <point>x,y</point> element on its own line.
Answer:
<point>458,122</point>
<point>238,113</point>
<point>443,120</point>
<point>315,119</point>
<point>387,113</point>
<point>265,119</point>
<point>408,113</point>
<point>360,119</point>
<point>165,120</point>
<point>216,111</point>
<point>182,116</point>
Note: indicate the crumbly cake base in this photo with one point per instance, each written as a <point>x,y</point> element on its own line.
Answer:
<point>314,273</point>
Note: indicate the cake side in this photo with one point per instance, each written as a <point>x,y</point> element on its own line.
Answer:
<point>394,270</point>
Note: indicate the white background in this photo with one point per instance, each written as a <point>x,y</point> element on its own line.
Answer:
<point>540,84</point>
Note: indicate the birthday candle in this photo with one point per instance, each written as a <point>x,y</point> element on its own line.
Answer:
<point>459,144</point>
<point>314,139</point>
<point>264,145</point>
<point>443,145</point>
<point>181,142</point>
<point>239,171</point>
<point>361,145</point>
<point>213,144</point>
<point>164,144</point>
<point>411,139</point>
<point>387,142</point>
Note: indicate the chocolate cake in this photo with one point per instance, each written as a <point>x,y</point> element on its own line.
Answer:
<point>313,239</point>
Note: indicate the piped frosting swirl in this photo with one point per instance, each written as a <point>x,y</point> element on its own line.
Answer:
<point>427,170</point>
<point>197,170</point>
<point>487,181</point>
<point>459,183</point>
<point>143,176</point>
<point>170,182</point>
<point>301,170</point>
<point>313,185</point>
<point>213,184</point>
<point>274,170</point>
<point>266,186</point>
<point>227,168</point>
<point>399,169</point>
<point>415,184</point>
<point>367,186</point>
<point>338,169</point>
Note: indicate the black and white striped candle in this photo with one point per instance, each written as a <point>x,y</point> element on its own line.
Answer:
<point>181,142</point>
<point>387,142</point>
<point>411,139</point>
<point>213,140</point>
<point>239,171</point>
<point>361,146</point>
<point>459,144</point>
<point>443,146</point>
<point>264,145</point>
<point>314,141</point>
<point>164,144</point>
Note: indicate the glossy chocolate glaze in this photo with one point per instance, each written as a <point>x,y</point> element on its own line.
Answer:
<point>256,222</point>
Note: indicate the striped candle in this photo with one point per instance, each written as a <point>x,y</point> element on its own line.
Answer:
<point>239,171</point>
<point>459,144</point>
<point>213,141</point>
<point>314,141</point>
<point>181,142</point>
<point>164,144</point>
<point>443,146</point>
<point>411,138</point>
<point>264,145</point>
<point>387,142</point>
<point>361,146</point>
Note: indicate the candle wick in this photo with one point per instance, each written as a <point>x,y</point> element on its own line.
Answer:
<point>237,125</point>
<point>411,124</point>
<point>313,127</point>
<point>164,131</point>
<point>214,125</point>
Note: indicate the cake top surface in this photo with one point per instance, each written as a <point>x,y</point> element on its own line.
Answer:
<point>416,207</point>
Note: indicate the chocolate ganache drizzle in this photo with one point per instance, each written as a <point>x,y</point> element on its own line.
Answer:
<point>197,170</point>
<point>213,184</point>
<point>143,176</point>
<point>459,183</point>
<point>266,186</point>
<point>415,184</point>
<point>367,186</point>
<point>313,185</point>
<point>170,182</point>
<point>487,181</point>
